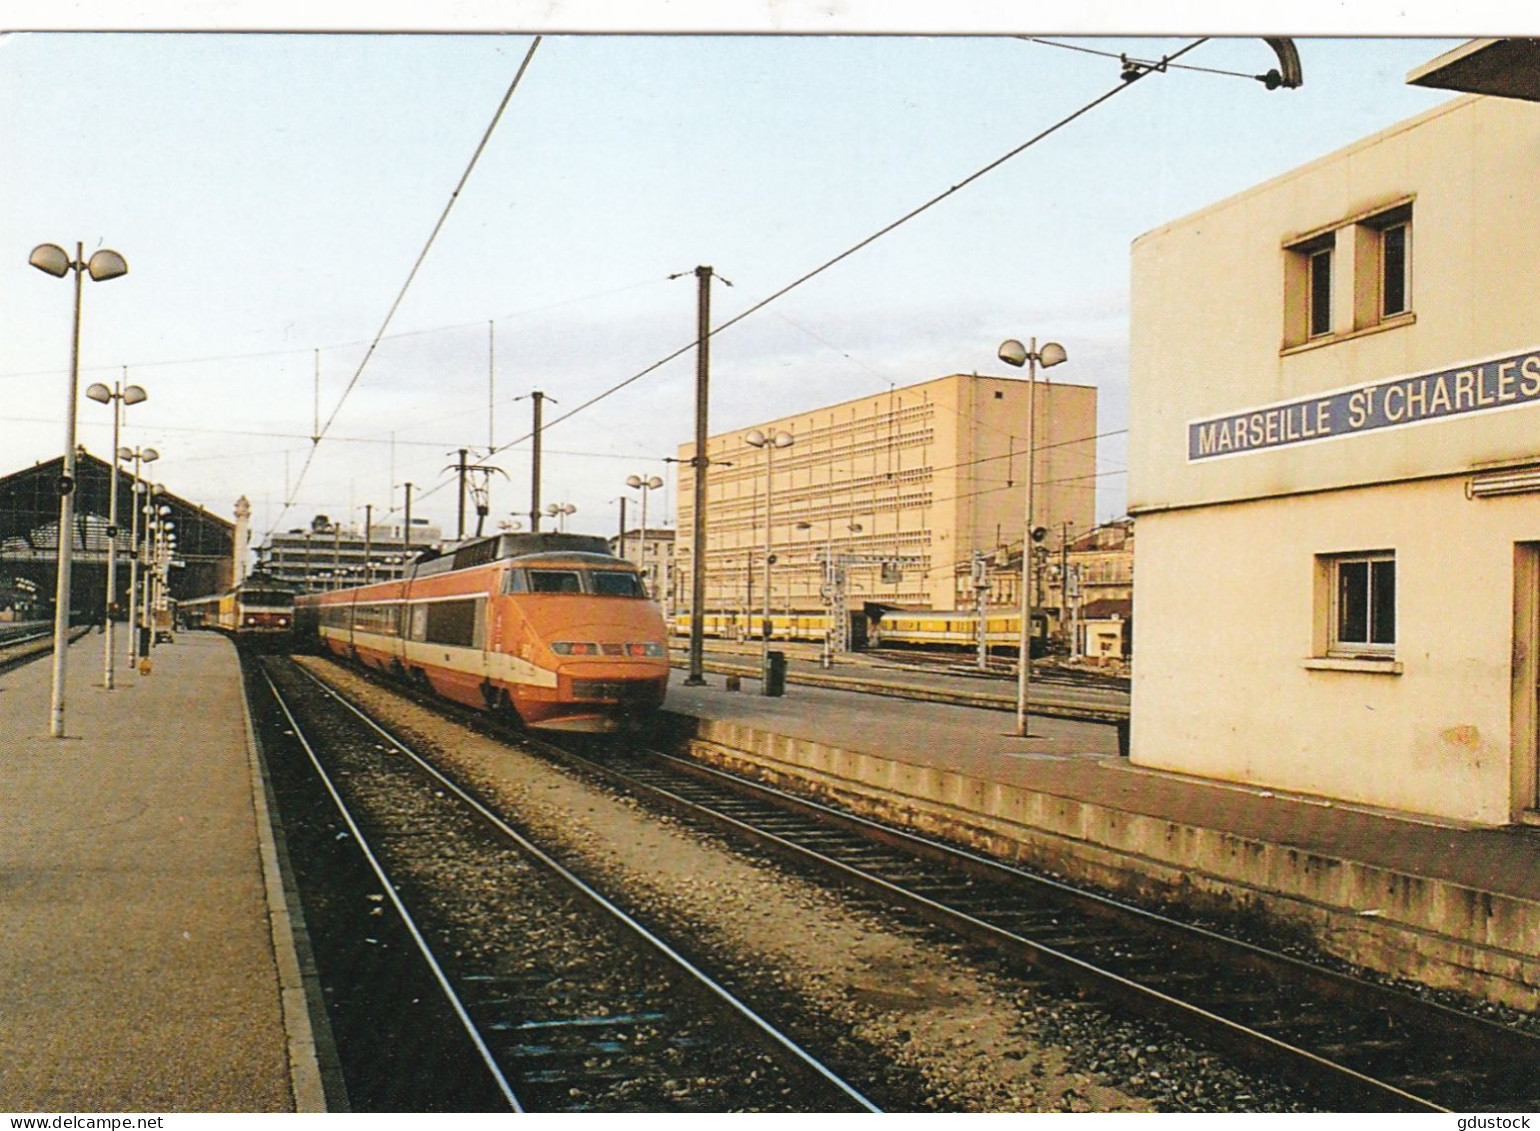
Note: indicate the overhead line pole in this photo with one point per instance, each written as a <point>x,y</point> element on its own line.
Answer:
<point>697,677</point>
<point>534,474</point>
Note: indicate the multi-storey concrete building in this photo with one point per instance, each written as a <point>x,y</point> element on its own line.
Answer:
<point>328,555</point>
<point>899,486</point>
<point>1334,461</point>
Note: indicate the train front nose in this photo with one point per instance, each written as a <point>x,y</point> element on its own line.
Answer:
<point>631,671</point>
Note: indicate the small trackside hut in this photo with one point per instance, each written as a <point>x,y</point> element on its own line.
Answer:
<point>548,627</point>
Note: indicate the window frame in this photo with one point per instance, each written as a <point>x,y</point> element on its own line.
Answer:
<point>1374,610</point>
<point>1339,280</point>
<point>1318,323</point>
<point>1404,226</point>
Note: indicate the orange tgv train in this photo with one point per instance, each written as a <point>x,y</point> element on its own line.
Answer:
<point>551,628</point>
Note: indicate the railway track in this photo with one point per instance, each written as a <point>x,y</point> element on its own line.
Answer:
<point>569,1003</point>
<point>18,649</point>
<point>1357,1045</point>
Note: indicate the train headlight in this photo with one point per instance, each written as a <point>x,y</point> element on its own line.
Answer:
<point>650,648</point>
<point>574,648</point>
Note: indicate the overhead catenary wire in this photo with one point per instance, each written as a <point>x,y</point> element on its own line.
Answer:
<point>411,275</point>
<point>1126,80</point>
<point>1124,83</point>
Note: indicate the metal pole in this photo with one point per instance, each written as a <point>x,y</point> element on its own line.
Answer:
<point>764,624</point>
<point>407,533</point>
<point>66,540</point>
<point>460,524</point>
<point>108,659</point>
<point>368,543</point>
<point>1024,648</point>
<point>133,569</point>
<point>698,567</point>
<point>642,549</point>
<point>534,474</point>
<point>623,525</point>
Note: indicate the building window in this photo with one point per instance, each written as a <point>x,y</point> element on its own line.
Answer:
<point>1396,268</point>
<point>1307,289</point>
<point>1363,610</point>
<point>1318,292</point>
<point>1367,258</point>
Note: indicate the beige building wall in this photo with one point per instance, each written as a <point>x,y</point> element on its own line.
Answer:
<point>918,476</point>
<point>1337,445</point>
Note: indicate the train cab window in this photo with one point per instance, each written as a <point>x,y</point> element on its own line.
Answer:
<point>515,581</point>
<point>616,583</point>
<point>554,581</point>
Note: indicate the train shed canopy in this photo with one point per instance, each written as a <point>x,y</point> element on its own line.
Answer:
<point>29,535</point>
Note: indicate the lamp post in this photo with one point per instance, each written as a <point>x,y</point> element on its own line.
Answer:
<point>768,442</point>
<point>644,485</point>
<point>118,396</point>
<point>1012,352</point>
<point>102,266</point>
<point>148,455</point>
<point>560,511</point>
<point>156,514</point>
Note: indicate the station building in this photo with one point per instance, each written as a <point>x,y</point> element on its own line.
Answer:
<point>1335,468</point>
<point>899,487</point>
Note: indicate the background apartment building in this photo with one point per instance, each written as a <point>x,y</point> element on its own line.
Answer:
<point>899,487</point>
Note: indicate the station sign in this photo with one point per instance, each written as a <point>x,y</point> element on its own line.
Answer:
<point>1482,386</point>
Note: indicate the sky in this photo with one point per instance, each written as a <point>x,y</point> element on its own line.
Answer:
<point>272,192</point>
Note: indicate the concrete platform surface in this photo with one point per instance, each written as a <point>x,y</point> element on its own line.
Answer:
<point>145,963</point>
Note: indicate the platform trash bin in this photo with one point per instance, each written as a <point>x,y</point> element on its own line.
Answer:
<point>1122,725</point>
<point>775,673</point>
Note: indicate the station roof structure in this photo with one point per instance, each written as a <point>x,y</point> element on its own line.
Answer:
<point>29,532</point>
<point>1507,68</point>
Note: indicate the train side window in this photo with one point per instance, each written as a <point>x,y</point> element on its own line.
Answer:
<point>554,581</point>
<point>616,583</point>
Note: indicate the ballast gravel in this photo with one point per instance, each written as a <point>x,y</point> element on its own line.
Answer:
<point>976,1037</point>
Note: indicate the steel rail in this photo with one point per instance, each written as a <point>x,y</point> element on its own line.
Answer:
<point>401,910</point>
<point>801,1055</point>
<point>1039,955</point>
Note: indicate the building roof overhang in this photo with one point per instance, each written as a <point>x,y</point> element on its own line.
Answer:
<point>1506,68</point>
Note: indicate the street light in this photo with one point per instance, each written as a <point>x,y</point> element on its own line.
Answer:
<point>148,455</point>
<point>117,396</point>
<point>645,485</point>
<point>767,442</point>
<point>560,511</point>
<point>1012,352</point>
<point>102,266</point>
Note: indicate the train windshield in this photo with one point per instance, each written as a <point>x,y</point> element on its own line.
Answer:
<point>275,598</point>
<point>595,582</point>
<point>616,583</point>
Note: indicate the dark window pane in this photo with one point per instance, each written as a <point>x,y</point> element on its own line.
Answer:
<point>1393,255</point>
<point>451,622</point>
<point>1320,293</point>
<point>1382,595</point>
<point>1353,602</point>
<point>616,583</point>
<point>553,581</point>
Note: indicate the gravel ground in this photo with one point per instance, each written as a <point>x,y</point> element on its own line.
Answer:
<point>954,1031</point>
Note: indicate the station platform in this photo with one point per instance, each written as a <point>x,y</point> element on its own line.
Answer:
<point>146,960</point>
<point>1451,906</point>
